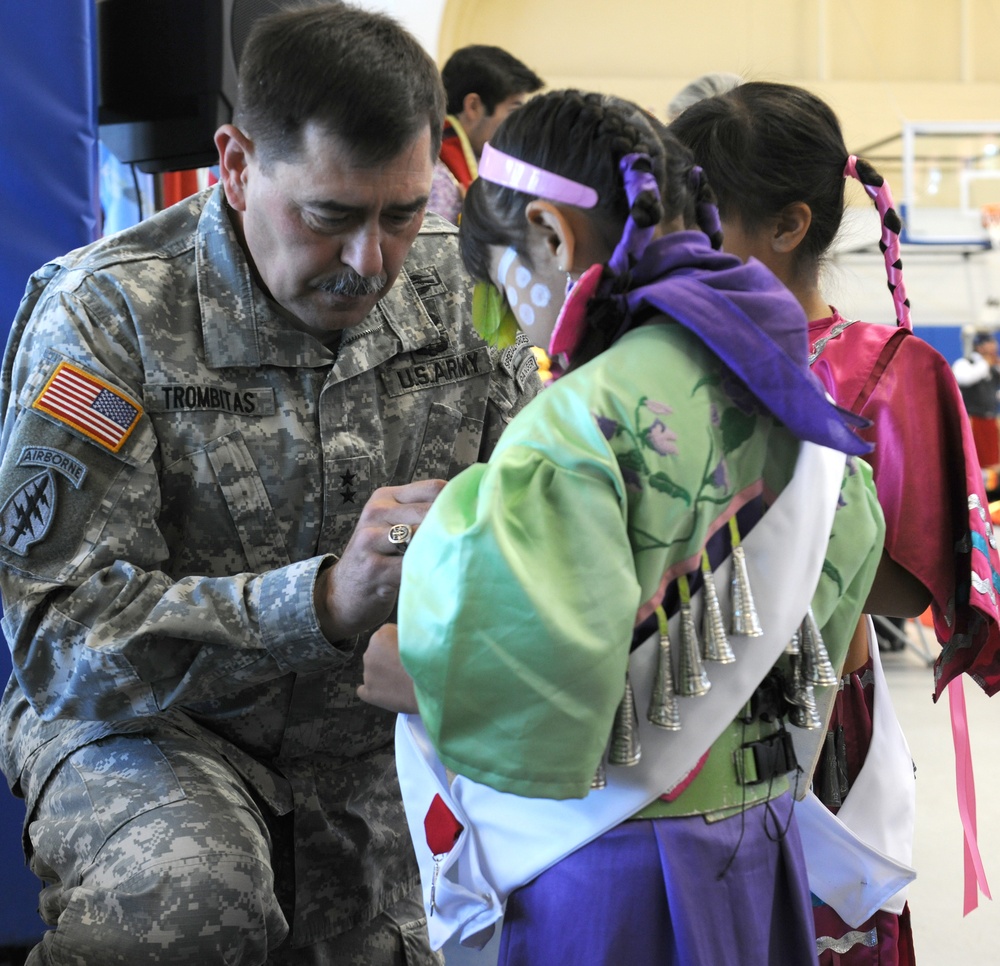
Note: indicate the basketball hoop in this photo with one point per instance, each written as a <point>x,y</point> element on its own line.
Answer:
<point>990,217</point>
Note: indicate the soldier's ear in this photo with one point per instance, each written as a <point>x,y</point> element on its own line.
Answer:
<point>235,153</point>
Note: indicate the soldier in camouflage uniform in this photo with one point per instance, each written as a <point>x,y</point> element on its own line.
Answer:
<point>210,423</point>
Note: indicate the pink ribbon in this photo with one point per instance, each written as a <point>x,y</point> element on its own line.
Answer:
<point>975,875</point>
<point>882,197</point>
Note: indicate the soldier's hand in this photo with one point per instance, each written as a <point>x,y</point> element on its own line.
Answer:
<point>358,592</point>
<point>386,683</point>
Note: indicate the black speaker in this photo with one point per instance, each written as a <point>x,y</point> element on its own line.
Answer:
<point>166,76</point>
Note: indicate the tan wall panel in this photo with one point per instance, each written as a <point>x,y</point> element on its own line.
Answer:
<point>653,36</point>
<point>657,45</point>
<point>896,40</point>
<point>984,37</point>
<point>877,65</point>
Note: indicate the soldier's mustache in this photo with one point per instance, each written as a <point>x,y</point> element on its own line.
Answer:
<point>351,284</point>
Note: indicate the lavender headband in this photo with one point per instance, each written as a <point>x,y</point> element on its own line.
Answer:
<point>510,172</point>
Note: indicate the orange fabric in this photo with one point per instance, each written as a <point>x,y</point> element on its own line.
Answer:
<point>178,185</point>
<point>454,158</point>
<point>987,437</point>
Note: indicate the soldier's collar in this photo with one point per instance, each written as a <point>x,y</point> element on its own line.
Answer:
<point>240,325</point>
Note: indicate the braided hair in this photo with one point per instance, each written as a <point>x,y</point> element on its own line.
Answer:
<point>581,136</point>
<point>584,137</point>
<point>766,146</point>
<point>878,190</point>
<point>690,193</point>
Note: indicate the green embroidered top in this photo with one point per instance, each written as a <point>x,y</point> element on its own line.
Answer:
<point>521,587</point>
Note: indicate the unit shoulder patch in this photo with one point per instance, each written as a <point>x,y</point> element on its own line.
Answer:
<point>28,514</point>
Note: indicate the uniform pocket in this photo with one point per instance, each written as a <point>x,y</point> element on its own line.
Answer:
<point>214,505</point>
<point>452,441</point>
<point>124,777</point>
<point>248,503</point>
<point>437,449</point>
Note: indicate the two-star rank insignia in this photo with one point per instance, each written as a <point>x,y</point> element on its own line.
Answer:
<point>348,486</point>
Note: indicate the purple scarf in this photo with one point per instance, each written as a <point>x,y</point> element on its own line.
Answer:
<point>751,322</point>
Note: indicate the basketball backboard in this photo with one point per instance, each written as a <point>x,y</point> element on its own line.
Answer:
<point>950,173</point>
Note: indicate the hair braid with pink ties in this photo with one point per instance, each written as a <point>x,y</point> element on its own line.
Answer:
<point>878,190</point>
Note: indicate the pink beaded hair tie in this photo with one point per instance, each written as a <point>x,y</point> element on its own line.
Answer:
<point>509,172</point>
<point>889,243</point>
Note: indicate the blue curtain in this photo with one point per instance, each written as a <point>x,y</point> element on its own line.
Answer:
<point>48,205</point>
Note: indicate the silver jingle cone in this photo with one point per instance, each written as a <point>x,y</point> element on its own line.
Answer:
<point>624,748</point>
<point>803,713</point>
<point>794,646</point>
<point>745,623</point>
<point>600,779</point>
<point>819,669</point>
<point>715,642</point>
<point>806,715</point>
<point>691,677</point>
<point>663,709</point>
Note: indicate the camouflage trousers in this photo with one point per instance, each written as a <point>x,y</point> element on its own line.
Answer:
<point>157,852</point>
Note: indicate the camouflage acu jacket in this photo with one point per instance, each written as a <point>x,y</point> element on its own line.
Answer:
<point>178,463</point>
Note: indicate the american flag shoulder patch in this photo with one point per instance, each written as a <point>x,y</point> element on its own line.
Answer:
<point>89,405</point>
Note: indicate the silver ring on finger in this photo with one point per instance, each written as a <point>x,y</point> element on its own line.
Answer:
<point>400,535</point>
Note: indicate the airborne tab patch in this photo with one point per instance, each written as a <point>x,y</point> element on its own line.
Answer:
<point>56,459</point>
<point>89,405</point>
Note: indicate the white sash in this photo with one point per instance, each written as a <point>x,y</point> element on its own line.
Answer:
<point>859,859</point>
<point>507,839</point>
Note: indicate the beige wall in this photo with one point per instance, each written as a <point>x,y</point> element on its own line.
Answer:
<point>877,64</point>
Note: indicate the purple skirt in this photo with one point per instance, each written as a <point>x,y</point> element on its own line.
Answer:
<point>671,892</point>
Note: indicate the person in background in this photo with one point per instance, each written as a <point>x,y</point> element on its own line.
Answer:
<point>776,157</point>
<point>483,85</point>
<point>978,378</point>
<point>219,427</point>
<point>707,85</point>
<point>670,443</point>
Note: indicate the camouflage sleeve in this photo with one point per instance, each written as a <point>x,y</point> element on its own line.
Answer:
<point>97,626</point>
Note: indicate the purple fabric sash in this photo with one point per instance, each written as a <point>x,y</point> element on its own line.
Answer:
<point>751,322</point>
<point>652,893</point>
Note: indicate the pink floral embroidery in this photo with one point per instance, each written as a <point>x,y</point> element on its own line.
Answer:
<point>662,439</point>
